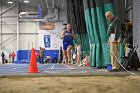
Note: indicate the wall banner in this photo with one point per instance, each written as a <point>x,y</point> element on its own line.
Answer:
<point>47,41</point>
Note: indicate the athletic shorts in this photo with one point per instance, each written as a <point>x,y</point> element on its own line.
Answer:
<point>66,44</point>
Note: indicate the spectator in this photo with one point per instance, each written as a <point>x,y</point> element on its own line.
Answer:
<point>85,61</point>
<point>74,57</point>
<point>60,55</point>
<point>41,55</point>
<point>78,55</point>
<point>48,59</point>
<point>13,56</point>
<point>3,57</point>
<point>55,57</point>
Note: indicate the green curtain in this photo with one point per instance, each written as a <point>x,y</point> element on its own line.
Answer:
<point>90,25</point>
<point>91,35</point>
<point>76,17</point>
<point>97,30</point>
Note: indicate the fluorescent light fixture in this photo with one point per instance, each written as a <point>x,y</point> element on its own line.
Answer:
<point>10,2</point>
<point>26,1</point>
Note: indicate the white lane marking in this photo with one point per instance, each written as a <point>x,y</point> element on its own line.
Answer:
<point>53,66</point>
<point>68,66</point>
<point>61,68</point>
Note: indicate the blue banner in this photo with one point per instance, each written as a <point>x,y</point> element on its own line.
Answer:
<point>47,41</point>
<point>39,12</point>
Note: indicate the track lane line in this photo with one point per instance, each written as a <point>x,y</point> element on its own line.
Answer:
<point>68,66</point>
<point>53,66</point>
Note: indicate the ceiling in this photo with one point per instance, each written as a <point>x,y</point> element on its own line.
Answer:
<point>33,6</point>
<point>60,4</point>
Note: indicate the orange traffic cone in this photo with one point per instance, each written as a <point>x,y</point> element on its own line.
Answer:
<point>33,64</point>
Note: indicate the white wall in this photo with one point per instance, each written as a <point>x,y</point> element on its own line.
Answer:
<point>54,36</point>
<point>29,31</point>
<point>28,35</point>
<point>36,39</point>
<point>9,28</point>
<point>12,11</point>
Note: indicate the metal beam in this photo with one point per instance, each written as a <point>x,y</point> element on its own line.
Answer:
<point>129,8</point>
<point>17,27</point>
<point>47,4</point>
<point>9,27</point>
<point>6,10</point>
<point>53,5</point>
<point>32,20</point>
<point>8,38</point>
<point>19,33</point>
<point>9,16</point>
<point>1,25</point>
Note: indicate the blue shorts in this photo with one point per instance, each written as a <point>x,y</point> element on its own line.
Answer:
<point>66,44</point>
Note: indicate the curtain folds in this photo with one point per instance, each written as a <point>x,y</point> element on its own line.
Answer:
<point>76,17</point>
<point>97,28</point>
<point>89,23</point>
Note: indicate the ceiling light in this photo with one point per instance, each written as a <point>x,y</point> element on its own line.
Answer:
<point>26,1</point>
<point>10,2</point>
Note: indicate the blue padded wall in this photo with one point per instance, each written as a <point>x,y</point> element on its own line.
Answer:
<point>23,54</point>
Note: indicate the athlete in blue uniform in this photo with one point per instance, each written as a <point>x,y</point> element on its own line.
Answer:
<point>68,36</point>
<point>67,40</point>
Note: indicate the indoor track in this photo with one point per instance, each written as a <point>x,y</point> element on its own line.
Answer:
<point>56,69</point>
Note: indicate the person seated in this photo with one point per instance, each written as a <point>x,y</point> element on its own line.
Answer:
<point>48,59</point>
<point>85,61</point>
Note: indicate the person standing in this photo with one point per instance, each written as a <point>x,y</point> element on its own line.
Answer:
<point>55,57</point>
<point>3,57</point>
<point>36,54</point>
<point>78,47</point>
<point>113,32</point>
<point>41,55</point>
<point>13,56</point>
<point>60,55</point>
